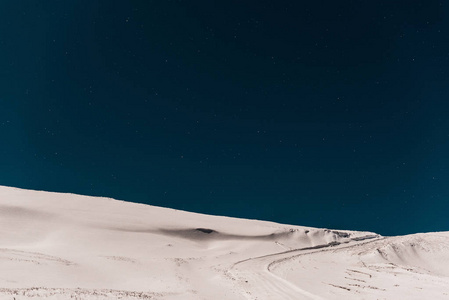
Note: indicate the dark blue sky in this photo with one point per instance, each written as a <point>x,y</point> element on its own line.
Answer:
<point>318,113</point>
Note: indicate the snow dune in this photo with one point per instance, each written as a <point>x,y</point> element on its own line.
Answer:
<point>65,246</point>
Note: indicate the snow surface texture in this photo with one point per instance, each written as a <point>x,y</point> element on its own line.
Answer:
<point>65,246</point>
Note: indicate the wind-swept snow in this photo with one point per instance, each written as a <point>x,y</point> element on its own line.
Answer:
<point>65,246</point>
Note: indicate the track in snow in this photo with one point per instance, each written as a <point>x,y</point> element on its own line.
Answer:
<point>258,282</point>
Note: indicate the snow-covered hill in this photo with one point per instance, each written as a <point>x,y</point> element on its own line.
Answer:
<point>65,246</point>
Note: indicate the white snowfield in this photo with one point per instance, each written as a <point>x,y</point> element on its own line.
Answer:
<point>65,246</point>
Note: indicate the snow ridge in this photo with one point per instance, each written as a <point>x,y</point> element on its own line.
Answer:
<point>66,246</point>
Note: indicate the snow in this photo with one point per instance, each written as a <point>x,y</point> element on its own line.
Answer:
<point>65,246</point>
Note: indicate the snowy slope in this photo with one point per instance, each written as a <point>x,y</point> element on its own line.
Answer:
<point>65,246</point>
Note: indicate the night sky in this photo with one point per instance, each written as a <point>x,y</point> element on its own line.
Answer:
<point>317,113</point>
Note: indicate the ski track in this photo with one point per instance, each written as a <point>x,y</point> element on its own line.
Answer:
<point>259,282</point>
